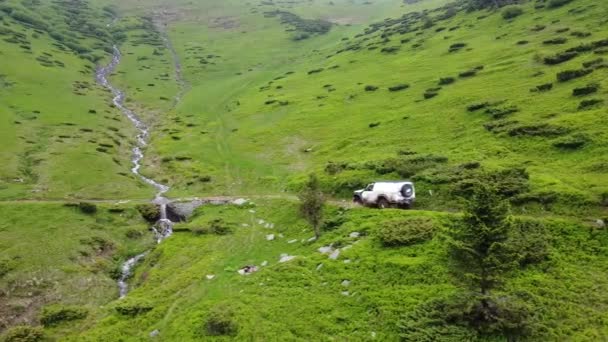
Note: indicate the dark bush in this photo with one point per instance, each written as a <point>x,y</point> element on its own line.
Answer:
<point>568,75</point>
<point>539,130</point>
<point>499,113</point>
<point>219,227</point>
<point>560,58</point>
<point>446,80</point>
<point>406,232</point>
<point>56,314</point>
<point>269,102</point>
<point>370,88</point>
<point>512,12</point>
<point>205,179</point>
<point>133,307</point>
<point>374,124</point>
<point>430,94</point>
<point>221,321</point>
<point>593,63</point>
<point>399,87</point>
<point>557,3</point>
<point>149,212</point>
<point>477,106</point>
<point>391,49</point>
<point>468,73</point>
<point>542,88</point>
<point>87,208</point>
<point>523,42</point>
<point>573,142</point>
<point>580,34</point>
<point>457,46</point>
<point>24,333</point>
<point>585,104</point>
<point>586,90</point>
<point>315,71</point>
<point>556,41</point>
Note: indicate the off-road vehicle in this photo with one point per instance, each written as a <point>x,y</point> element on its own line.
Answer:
<point>399,194</point>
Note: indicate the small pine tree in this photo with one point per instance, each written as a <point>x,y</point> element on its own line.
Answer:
<point>481,253</point>
<point>311,203</point>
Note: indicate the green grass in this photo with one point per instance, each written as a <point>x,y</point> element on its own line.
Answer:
<point>56,254</point>
<point>300,300</point>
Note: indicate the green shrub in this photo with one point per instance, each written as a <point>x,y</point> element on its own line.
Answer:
<point>370,88</point>
<point>56,314</point>
<point>542,88</point>
<point>406,232</point>
<point>555,41</point>
<point>221,321</point>
<point>398,87</point>
<point>219,227</point>
<point>446,80</point>
<point>586,90</point>
<point>87,208</point>
<point>531,239</point>
<point>133,307</point>
<point>557,3</point>
<point>568,75</point>
<point>24,333</point>
<point>560,58</point>
<point>512,12</point>
<point>149,212</point>
<point>586,104</point>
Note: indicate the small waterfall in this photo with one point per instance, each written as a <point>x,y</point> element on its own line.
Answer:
<point>164,227</point>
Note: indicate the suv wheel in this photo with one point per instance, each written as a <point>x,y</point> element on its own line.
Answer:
<point>382,203</point>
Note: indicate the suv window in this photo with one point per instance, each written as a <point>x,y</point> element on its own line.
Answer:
<point>370,187</point>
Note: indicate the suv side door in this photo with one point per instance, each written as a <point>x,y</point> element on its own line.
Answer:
<point>368,195</point>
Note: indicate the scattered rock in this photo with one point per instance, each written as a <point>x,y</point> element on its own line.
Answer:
<point>270,237</point>
<point>154,333</point>
<point>600,223</point>
<point>252,211</point>
<point>246,270</point>
<point>347,261</point>
<point>354,234</point>
<point>345,283</point>
<point>292,241</point>
<point>265,263</point>
<point>210,276</point>
<point>320,266</point>
<point>286,257</point>
<point>326,249</point>
<point>335,254</point>
<point>345,293</point>
<point>261,222</point>
<point>245,225</point>
<point>240,201</point>
<point>314,238</point>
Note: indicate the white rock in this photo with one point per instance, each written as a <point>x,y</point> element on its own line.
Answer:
<point>347,261</point>
<point>270,237</point>
<point>271,225</point>
<point>241,272</point>
<point>210,276</point>
<point>335,254</point>
<point>154,333</point>
<point>314,238</point>
<point>267,225</point>
<point>252,211</point>
<point>373,334</point>
<point>264,263</point>
<point>345,282</point>
<point>325,249</point>
<point>286,257</point>
<point>261,222</point>
<point>345,293</point>
<point>354,234</point>
<point>292,241</point>
<point>320,266</point>
<point>281,235</point>
<point>239,201</point>
<point>600,224</point>
<point>245,225</point>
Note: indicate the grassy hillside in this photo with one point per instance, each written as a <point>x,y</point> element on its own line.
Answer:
<point>54,253</point>
<point>255,111</point>
<point>375,288</point>
<point>60,136</point>
<point>247,99</point>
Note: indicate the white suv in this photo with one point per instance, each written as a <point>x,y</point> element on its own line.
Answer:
<point>387,194</point>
